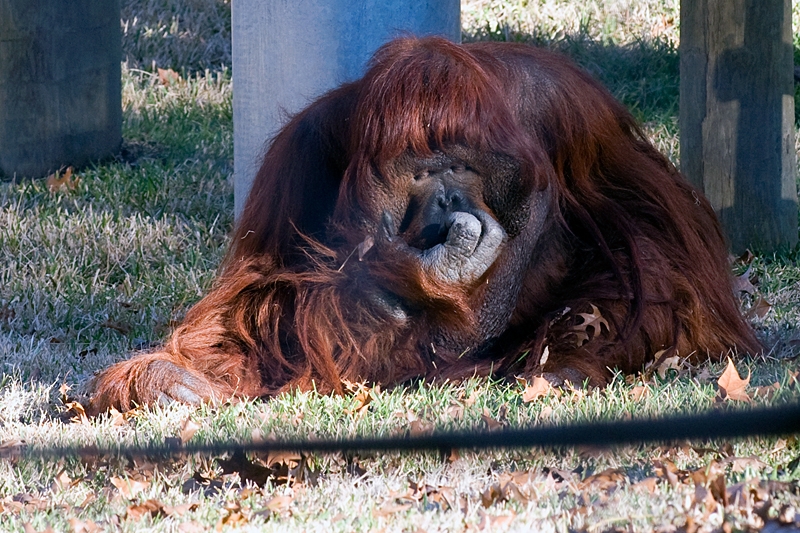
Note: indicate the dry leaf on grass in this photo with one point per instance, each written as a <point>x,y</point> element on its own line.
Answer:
<point>648,484</point>
<point>439,496</point>
<point>606,480</point>
<point>639,392</point>
<point>740,464</point>
<point>539,388</point>
<point>75,412</point>
<point>362,396</point>
<point>759,309</point>
<point>490,422</point>
<point>169,77</point>
<point>58,181</point>
<point>151,508</point>
<point>129,488</point>
<point>767,391</point>
<point>62,482</point>
<point>180,510</point>
<point>390,508</point>
<point>470,400</point>
<point>188,429</point>
<point>663,362</point>
<point>743,284</point>
<point>279,504</point>
<point>234,517</point>
<point>418,427</point>
<point>507,488</point>
<point>88,526</point>
<point>495,523</point>
<point>731,386</point>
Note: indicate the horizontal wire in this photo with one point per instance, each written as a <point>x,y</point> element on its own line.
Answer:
<point>715,424</point>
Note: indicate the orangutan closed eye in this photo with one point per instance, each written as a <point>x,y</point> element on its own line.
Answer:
<point>456,211</point>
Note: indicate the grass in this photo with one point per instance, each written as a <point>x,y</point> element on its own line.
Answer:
<point>95,272</point>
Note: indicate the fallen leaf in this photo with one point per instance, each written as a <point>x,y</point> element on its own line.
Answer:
<point>740,464</point>
<point>472,398</point>
<point>663,362</point>
<point>648,484</point>
<point>418,427</point>
<point>179,510</point>
<point>786,515</point>
<point>389,509</point>
<point>168,77</point>
<point>62,481</point>
<point>743,284</point>
<point>593,321</point>
<point>79,526</point>
<point>63,390</point>
<point>539,388</point>
<point>490,422</point>
<point>491,494</point>
<point>731,386</point>
<point>278,504</point>
<point>712,479</point>
<point>495,523</point>
<point>57,181</point>
<point>545,356</point>
<point>188,429</point>
<point>759,309</point>
<point>129,488</point>
<point>639,392</point>
<point>362,397</point>
<point>704,375</point>
<point>666,469</point>
<point>87,500</point>
<point>234,517</point>
<point>455,411</point>
<point>117,418</point>
<point>27,527</point>
<point>75,412</point>
<point>606,480</point>
<point>151,508</point>
<point>767,391</point>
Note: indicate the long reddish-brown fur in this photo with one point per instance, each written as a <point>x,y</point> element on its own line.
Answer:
<point>292,306</point>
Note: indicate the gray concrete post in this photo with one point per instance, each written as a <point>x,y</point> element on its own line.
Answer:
<point>288,52</point>
<point>60,89</point>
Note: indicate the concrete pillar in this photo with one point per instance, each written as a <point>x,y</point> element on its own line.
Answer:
<point>288,52</point>
<point>737,116</point>
<point>60,94</point>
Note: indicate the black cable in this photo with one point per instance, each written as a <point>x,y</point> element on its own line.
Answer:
<point>715,424</point>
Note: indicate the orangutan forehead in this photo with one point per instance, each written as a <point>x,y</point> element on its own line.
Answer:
<point>479,160</point>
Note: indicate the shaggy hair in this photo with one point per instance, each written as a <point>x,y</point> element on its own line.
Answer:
<point>628,263</point>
